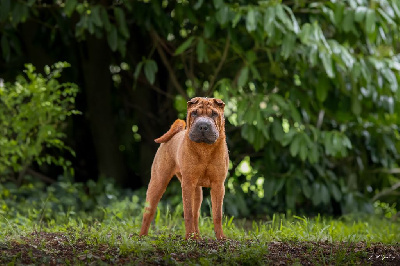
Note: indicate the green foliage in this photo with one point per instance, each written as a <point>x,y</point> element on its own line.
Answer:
<point>33,116</point>
<point>314,89</point>
<point>34,202</point>
<point>311,86</point>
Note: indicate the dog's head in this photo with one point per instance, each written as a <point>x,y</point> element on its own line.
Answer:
<point>205,119</point>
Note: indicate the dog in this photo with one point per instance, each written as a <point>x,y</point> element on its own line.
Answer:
<point>198,156</point>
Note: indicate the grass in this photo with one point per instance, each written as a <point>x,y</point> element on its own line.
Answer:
<point>73,224</point>
<point>72,239</point>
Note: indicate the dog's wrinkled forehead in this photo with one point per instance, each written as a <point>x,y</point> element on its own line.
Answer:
<point>205,106</point>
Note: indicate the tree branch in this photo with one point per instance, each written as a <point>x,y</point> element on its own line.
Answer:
<point>155,88</point>
<point>218,69</point>
<point>189,72</point>
<point>163,44</point>
<point>386,191</point>
<point>166,63</point>
<point>40,176</point>
<point>191,63</point>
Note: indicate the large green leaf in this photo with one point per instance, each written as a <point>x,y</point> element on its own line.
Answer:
<point>269,18</point>
<point>218,3</point>
<point>279,100</point>
<point>243,76</point>
<point>201,51</point>
<point>306,188</point>
<point>273,186</point>
<point>348,21</point>
<point>339,10</point>
<point>295,145</point>
<point>313,154</point>
<point>291,193</point>
<point>356,105</point>
<point>184,46</point>
<point>251,20</point>
<point>288,45</point>
<point>209,28</point>
<point>335,192</point>
<point>270,185</point>
<point>138,68</point>
<point>249,132</point>
<point>326,59</point>
<point>20,13</point>
<point>277,130</point>
<point>104,19</point>
<point>121,21</point>
<point>303,149</point>
<point>305,33</point>
<point>391,78</point>
<point>313,55</point>
<point>323,87</point>
<point>222,14</point>
<point>325,195</point>
<point>295,24</point>
<point>370,20</point>
<point>259,140</point>
<point>150,70</point>
<point>316,194</point>
<point>96,17</point>
<point>112,38</point>
<point>70,7</point>
<point>281,14</point>
<point>360,13</point>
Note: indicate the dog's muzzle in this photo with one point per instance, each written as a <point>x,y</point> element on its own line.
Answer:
<point>203,130</point>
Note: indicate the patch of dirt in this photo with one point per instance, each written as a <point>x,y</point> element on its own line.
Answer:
<point>62,248</point>
<point>54,249</point>
<point>327,253</point>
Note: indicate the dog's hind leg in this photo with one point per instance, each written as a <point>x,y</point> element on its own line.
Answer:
<point>161,174</point>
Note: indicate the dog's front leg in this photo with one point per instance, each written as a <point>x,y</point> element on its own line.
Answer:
<point>188,192</point>
<point>217,197</point>
<point>198,198</point>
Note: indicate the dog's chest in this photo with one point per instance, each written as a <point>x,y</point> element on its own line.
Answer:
<point>209,173</point>
<point>204,181</point>
<point>202,164</point>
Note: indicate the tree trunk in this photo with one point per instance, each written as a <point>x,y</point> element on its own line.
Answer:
<point>97,79</point>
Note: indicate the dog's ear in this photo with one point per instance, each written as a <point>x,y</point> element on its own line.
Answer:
<point>192,101</point>
<point>219,103</point>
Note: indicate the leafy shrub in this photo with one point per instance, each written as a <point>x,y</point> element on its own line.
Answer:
<point>32,118</point>
<point>65,199</point>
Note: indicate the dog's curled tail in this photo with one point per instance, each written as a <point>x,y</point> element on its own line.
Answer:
<point>177,126</point>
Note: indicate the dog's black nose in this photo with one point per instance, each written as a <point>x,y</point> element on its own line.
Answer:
<point>202,126</point>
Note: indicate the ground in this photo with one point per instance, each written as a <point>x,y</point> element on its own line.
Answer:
<point>54,248</point>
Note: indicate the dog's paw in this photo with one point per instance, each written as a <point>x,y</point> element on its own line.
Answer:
<point>193,236</point>
<point>221,237</point>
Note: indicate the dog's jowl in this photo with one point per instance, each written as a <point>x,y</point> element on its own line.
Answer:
<point>198,156</point>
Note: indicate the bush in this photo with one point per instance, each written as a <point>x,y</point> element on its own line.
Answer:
<point>65,199</point>
<point>32,118</point>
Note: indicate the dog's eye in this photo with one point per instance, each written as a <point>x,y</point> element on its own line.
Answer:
<point>194,113</point>
<point>214,114</point>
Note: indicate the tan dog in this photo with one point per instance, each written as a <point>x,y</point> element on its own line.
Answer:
<point>198,156</point>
